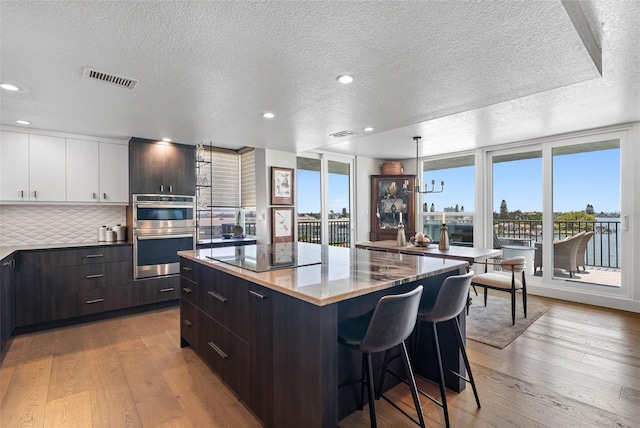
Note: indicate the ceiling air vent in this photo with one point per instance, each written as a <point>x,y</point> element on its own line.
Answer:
<point>342,134</point>
<point>114,79</point>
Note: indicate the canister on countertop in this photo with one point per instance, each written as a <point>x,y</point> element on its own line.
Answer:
<point>102,230</point>
<point>110,235</point>
<point>121,232</point>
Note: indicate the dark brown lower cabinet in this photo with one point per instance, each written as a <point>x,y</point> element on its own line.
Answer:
<point>7,299</point>
<point>225,353</point>
<point>189,325</point>
<point>260,374</point>
<point>155,290</point>
<point>93,301</point>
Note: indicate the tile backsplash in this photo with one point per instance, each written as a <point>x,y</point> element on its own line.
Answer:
<point>52,224</point>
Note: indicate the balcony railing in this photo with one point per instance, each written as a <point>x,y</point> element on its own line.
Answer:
<point>603,249</point>
<point>339,232</point>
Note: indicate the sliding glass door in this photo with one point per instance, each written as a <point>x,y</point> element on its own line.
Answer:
<point>587,233</point>
<point>325,189</point>
<point>561,204</point>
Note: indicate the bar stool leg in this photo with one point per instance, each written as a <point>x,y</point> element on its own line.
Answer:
<point>443,391</point>
<point>372,405</point>
<point>412,385</point>
<point>466,361</point>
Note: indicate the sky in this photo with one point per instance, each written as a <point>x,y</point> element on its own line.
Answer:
<point>578,180</point>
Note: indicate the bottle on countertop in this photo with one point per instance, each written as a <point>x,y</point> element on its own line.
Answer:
<point>102,233</point>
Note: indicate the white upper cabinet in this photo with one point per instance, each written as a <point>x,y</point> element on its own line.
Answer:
<point>97,172</point>
<point>114,173</point>
<point>14,166</point>
<point>82,171</point>
<point>42,168</point>
<point>47,174</point>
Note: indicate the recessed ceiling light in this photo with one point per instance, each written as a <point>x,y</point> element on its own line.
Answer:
<point>345,78</point>
<point>367,129</point>
<point>166,140</point>
<point>23,122</point>
<point>9,87</point>
<point>268,115</point>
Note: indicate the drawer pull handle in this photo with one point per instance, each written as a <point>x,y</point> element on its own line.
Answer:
<point>166,290</point>
<point>9,263</point>
<point>258,295</point>
<point>217,296</point>
<point>187,268</point>
<point>187,322</point>
<point>218,350</point>
<point>93,256</point>
<point>99,275</point>
<point>94,301</point>
<point>187,290</point>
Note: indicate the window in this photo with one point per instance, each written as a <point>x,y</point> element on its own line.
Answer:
<point>456,201</point>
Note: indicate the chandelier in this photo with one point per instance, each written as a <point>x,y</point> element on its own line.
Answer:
<point>417,187</point>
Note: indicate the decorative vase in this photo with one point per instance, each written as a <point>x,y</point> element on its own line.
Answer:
<point>401,240</point>
<point>393,188</point>
<point>444,238</point>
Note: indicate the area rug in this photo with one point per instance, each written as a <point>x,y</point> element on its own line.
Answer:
<point>492,324</point>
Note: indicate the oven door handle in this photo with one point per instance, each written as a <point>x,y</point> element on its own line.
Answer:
<point>146,238</point>
<point>146,205</point>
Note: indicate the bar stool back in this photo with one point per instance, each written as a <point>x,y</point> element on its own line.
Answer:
<point>382,329</point>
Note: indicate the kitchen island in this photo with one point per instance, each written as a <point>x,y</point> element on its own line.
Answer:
<point>265,317</point>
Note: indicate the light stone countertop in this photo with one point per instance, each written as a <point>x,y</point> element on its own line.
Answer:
<point>343,273</point>
<point>8,250</point>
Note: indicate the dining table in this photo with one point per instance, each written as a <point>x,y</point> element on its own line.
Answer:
<point>470,255</point>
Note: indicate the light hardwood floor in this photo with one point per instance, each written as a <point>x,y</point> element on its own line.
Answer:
<point>577,366</point>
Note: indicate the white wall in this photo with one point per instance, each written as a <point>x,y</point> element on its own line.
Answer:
<point>265,159</point>
<point>365,167</point>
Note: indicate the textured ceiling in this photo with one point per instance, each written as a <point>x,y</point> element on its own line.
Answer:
<point>461,74</point>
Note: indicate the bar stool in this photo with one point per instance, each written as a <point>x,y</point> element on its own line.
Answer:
<point>382,329</point>
<point>448,304</point>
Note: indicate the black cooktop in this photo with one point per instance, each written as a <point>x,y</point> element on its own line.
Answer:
<point>266,257</point>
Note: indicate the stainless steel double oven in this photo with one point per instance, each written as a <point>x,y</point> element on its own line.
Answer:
<point>162,226</point>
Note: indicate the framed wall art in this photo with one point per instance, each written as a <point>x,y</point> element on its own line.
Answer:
<point>281,186</point>
<point>282,224</point>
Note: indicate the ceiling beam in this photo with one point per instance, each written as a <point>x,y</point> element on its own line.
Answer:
<point>583,28</point>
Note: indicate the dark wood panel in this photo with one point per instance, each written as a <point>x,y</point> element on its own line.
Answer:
<point>146,166</point>
<point>260,322</point>
<point>305,363</point>
<point>225,298</point>
<point>189,325</point>
<point>153,290</point>
<point>33,287</point>
<point>189,269</point>
<point>226,354</point>
<point>92,255</point>
<point>85,277</point>
<point>179,171</point>
<point>70,305</point>
<point>7,299</point>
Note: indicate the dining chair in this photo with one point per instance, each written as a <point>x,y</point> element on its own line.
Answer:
<point>508,283</point>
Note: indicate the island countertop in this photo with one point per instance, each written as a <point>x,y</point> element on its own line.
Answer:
<point>341,274</point>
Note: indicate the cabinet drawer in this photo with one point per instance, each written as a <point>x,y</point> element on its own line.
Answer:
<point>189,269</point>
<point>83,256</point>
<point>189,324</point>
<point>69,305</point>
<point>155,290</point>
<point>85,277</point>
<point>227,355</point>
<point>189,290</point>
<point>226,299</point>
